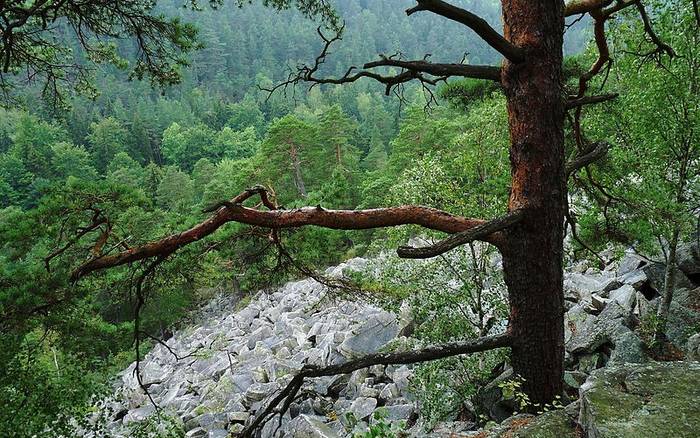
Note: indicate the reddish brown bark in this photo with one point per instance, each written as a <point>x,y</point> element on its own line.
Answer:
<point>532,256</point>
<point>336,219</point>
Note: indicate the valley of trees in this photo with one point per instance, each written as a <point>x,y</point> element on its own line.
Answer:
<point>129,145</point>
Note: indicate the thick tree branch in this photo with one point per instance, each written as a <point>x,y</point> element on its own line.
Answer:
<point>432,352</point>
<point>661,47</point>
<point>576,7</point>
<point>595,153</point>
<point>461,238</point>
<point>589,100</point>
<point>474,22</point>
<point>489,72</point>
<point>233,211</point>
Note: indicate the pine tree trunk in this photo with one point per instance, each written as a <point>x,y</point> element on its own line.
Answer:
<point>532,261</point>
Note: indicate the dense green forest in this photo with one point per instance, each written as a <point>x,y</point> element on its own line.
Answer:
<point>94,170</point>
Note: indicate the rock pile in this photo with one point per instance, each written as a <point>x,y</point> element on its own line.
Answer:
<point>231,362</point>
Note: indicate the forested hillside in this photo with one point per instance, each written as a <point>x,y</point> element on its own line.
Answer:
<point>97,165</point>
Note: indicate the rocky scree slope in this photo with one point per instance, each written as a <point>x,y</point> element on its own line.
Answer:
<point>230,364</point>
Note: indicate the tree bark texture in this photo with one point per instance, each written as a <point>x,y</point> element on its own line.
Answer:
<point>532,255</point>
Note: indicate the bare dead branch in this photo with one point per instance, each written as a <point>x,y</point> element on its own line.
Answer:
<point>461,238</point>
<point>661,47</point>
<point>432,352</point>
<point>474,22</point>
<point>423,71</point>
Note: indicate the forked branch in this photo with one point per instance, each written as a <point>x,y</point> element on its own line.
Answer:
<point>425,72</point>
<point>475,23</point>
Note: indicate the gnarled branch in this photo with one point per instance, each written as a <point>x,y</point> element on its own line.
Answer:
<point>489,72</point>
<point>233,211</point>
<point>597,151</point>
<point>461,238</point>
<point>425,72</point>
<point>475,23</point>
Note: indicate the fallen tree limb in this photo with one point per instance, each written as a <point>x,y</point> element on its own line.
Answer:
<point>432,352</point>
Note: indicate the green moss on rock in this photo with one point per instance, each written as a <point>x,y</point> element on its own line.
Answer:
<point>639,400</point>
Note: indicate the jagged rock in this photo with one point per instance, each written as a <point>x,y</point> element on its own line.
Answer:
<point>642,306</point>
<point>574,379</point>
<point>242,381</point>
<point>246,316</point>
<point>362,407</point>
<point>139,414</point>
<point>649,400</point>
<point>626,296</point>
<point>630,262</point>
<point>553,424</point>
<point>402,378</point>
<point>692,348</point>
<point>598,302</point>
<point>611,284</point>
<point>689,258</point>
<point>628,349</point>
<point>399,412</point>
<point>258,391</point>
<point>452,429</point>
<point>579,287</point>
<point>262,333</point>
<point>596,331</point>
<point>590,362</point>
<point>684,316</point>
<point>574,319</point>
<point>370,336</point>
<point>635,278</point>
<point>389,392</point>
<point>198,432</point>
<point>656,273</point>
<point>573,409</point>
<point>310,426</point>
